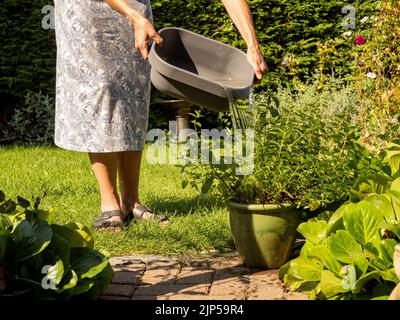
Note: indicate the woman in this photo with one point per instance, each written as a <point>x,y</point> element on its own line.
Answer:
<point>103,92</point>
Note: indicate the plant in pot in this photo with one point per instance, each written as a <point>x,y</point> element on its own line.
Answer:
<point>306,157</point>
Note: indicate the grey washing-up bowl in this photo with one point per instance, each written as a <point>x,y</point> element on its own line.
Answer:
<point>194,68</point>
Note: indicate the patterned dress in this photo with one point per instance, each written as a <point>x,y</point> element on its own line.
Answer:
<point>103,83</point>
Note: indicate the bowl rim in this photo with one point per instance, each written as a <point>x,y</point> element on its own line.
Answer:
<point>154,56</point>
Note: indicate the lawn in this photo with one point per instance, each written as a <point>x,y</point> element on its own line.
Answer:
<point>198,222</point>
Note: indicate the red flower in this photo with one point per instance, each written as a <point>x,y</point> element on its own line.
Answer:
<point>360,40</point>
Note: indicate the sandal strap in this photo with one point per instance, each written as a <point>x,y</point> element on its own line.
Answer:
<point>104,222</point>
<point>140,210</point>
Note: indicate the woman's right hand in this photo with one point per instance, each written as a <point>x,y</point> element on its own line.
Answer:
<point>144,31</point>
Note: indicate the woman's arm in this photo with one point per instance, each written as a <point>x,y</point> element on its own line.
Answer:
<point>144,30</point>
<point>240,14</point>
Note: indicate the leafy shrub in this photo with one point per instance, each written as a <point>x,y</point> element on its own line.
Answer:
<point>307,151</point>
<point>33,121</point>
<point>349,254</point>
<point>378,74</point>
<point>43,260</point>
<point>286,28</point>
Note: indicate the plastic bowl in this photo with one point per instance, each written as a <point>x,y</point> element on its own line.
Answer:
<point>200,70</point>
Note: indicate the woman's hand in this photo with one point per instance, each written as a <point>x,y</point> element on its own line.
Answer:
<point>145,31</point>
<point>256,60</point>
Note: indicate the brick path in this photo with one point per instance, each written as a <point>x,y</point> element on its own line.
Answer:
<point>185,278</point>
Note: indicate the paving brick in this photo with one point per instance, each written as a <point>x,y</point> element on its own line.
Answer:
<point>227,273</point>
<point>192,275</point>
<point>149,298</point>
<point>260,290</point>
<point>235,286</point>
<point>215,297</point>
<point>265,275</point>
<point>126,277</point>
<point>112,298</point>
<point>296,296</point>
<point>157,290</point>
<point>123,290</point>
<point>160,273</point>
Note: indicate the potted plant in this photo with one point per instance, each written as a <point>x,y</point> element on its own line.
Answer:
<point>306,156</point>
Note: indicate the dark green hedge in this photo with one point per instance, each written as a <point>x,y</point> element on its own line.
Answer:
<point>284,27</point>
<point>27,59</point>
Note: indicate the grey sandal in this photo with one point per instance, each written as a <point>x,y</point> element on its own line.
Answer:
<point>138,213</point>
<point>104,222</point>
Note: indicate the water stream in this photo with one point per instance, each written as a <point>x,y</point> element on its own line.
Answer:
<point>242,110</point>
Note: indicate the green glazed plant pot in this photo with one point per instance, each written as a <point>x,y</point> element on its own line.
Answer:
<point>264,234</point>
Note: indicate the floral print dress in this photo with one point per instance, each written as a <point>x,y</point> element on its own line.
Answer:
<point>103,83</point>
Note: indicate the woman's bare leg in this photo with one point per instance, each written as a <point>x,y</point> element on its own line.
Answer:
<point>128,172</point>
<point>105,166</point>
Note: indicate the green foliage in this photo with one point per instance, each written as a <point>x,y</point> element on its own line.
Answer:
<point>305,32</point>
<point>380,56</point>
<point>307,151</point>
<point>285,28</point>
<point>350,254</point>
<point>28,52</point>
<point>43,260</point>
<point>33,121</point>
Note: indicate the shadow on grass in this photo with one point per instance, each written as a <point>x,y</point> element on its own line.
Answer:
<point>185,206</point>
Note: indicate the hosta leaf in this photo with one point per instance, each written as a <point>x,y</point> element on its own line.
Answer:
<point>331,285</point>
<point>394,197</point>
<point>363,222</point>
<point>69,281</point>
<point>344,247</point>
<point>390,275</point>
<point>362,282</point>
<point>395,186</point>
<point>55,272</point>
<point>393,157</point>
<point>306,269</point>
<point>386,250</point>
<point>313,231</point>
<point>75,237</point>
<point>22,202</point>
<point>87,262</point>
<point>383,204</point>
<point>31,238</point>
<point>321,253</point>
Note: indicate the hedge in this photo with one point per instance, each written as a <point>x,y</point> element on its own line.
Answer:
<point>284,27</point>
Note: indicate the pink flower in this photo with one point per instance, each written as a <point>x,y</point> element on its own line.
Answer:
<point>360,40</point>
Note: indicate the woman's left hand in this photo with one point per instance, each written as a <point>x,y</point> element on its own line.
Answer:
<point>256,60</point>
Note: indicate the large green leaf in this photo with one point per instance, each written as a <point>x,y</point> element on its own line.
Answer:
<point>363,222</point>
<point>307,269</point>
<point>322,253</point>
<point>101,283</point>
<point>76,234</point>
<point>393,158</point>
<point>313,231</point>
<point>87,262</point>
<point>383,204</point>
<point>31,238</point>
<point>377,184</point>
<point>394,197</point>
<point>344,247</point>
<point>331,285</point>
<point>4,236</point>
<point>60,245</point>
<point>386,250</point>
<point>362,281</point>
<point>395,186</point>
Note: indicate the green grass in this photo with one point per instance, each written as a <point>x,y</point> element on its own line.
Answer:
<point>198,222</point>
